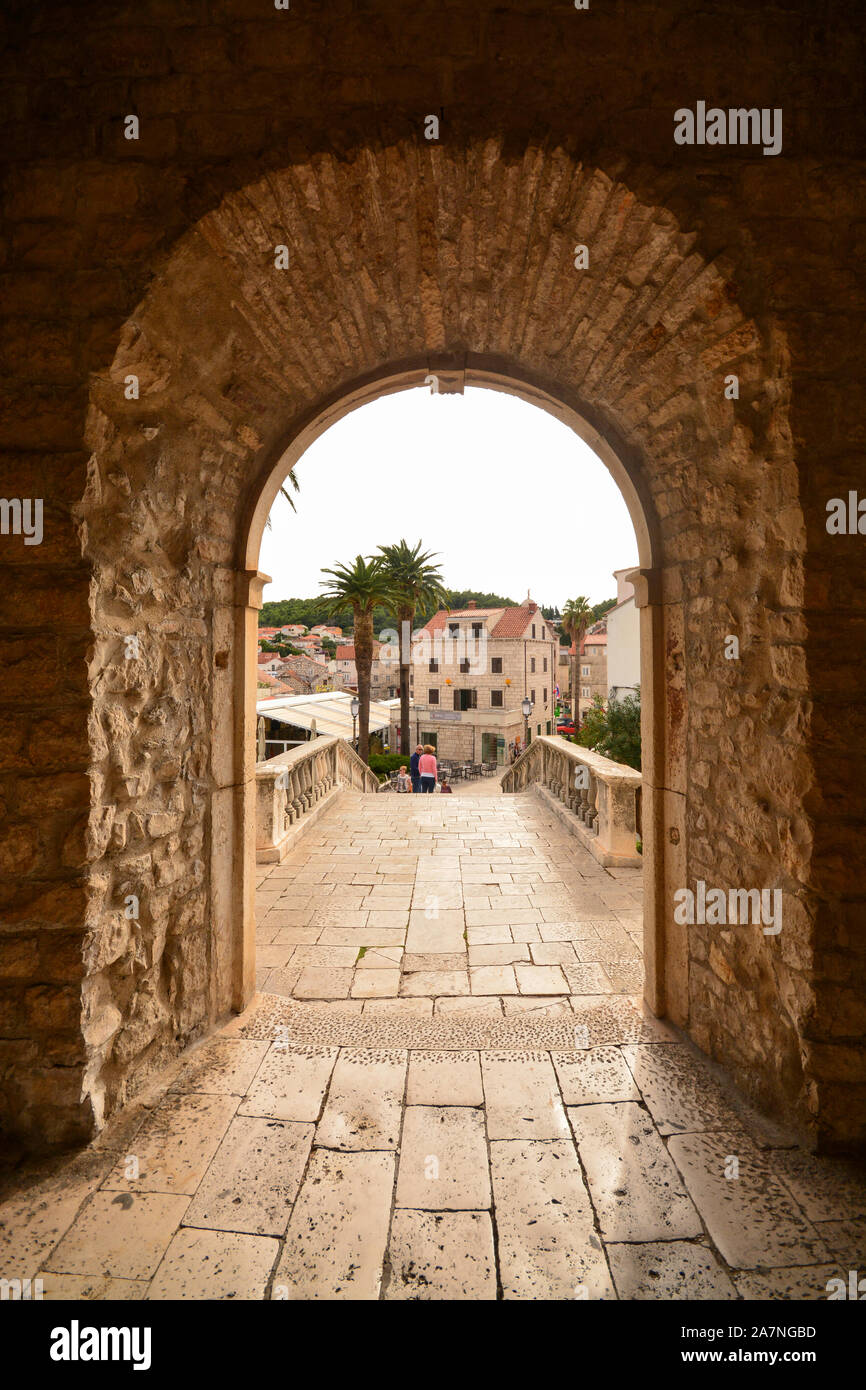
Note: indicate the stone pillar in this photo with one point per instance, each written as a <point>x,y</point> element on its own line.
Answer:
<point>616,827</point>
<point>663,715</point>
<point>233,812</point>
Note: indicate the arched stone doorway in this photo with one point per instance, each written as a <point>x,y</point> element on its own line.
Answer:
<point>452,375</point>
<point>405,261</point>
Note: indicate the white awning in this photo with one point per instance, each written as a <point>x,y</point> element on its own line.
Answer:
<point>331,712</point>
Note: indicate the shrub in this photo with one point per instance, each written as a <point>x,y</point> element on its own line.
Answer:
<point>613,729</point>
<point>383,763</point>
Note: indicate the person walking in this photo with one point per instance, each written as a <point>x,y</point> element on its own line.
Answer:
<point>427,768</point>
<point>413,768</point>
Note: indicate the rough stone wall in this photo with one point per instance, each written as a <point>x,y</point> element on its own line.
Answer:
<point>306,127</point>
<point>225,369</point>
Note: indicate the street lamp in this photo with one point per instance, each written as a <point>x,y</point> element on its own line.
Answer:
<point>527,714</point>
<point>354,707</point>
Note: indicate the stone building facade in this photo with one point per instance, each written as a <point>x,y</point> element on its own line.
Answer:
<point>305,673</point>
<point>384,675</point>
<point>709,350</point>
<point>592,668</point>
<point>623,640</point>
<point>470,677</point>
<point>563,675</point>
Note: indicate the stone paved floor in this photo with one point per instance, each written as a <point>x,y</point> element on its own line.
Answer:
<point>505,1145</point>
<point>477,897</point>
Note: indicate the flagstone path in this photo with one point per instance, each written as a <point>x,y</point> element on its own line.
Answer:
<point>481,897</point>
<point>467,1101</point>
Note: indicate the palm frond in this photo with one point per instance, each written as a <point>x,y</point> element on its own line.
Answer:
<point>296,487</point>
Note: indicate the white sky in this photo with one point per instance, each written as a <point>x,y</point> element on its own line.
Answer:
<point>509,497</point>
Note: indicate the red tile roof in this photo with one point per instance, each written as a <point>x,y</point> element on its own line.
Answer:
<point>509,622</point>
<point>275,686</point>
<point>437,622</point>
<point>347,653</point>
<point>445,615</point>
<point>291,663</point>
<point>514,622</point>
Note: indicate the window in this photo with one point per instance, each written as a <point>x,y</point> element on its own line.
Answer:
<point>496,699</point>
<point>545,663</point>
<point>585,692</point>
<point>496,665</point>
<point>464,666</point>
<point>548,726</point>
<point>532,664</point>
<point>465,699</point>
<point>533,629</point>
<point>453,629</point>
<point>432,697</point>
<point>476,629</point>
<point>584,670</point>
<point>532,696</point>
<point>545,694</point>
<point>434,665</point>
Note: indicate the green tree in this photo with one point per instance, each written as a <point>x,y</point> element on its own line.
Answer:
<point>361,586</point>
<point>598,610</point>
<point>613,729</point>
<point>281,648</point>
<point>576,618</point>
<point>413,581</point>
<point>459,598</point>
<point>311,611</point>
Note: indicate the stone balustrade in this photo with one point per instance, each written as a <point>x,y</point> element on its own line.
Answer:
<point>598,799</point>
<point>290,785</point>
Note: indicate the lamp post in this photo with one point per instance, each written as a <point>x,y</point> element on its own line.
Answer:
<point>354,707</point>
<point>527,713</point>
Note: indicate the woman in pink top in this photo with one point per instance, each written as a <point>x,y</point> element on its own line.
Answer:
<point>427,768</point>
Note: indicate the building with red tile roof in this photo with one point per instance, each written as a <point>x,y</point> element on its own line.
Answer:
<point>473,672</point>
<point>384,675</point>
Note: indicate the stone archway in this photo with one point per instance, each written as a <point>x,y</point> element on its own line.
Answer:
<point>405,260</point>
<point>454,372</point>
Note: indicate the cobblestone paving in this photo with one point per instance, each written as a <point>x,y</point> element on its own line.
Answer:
<point>488,1144</point>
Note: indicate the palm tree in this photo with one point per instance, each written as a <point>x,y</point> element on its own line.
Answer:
<point>413,581</point>
<point>362,587</point>
<point>296,487</point>
<point>576,616</point>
